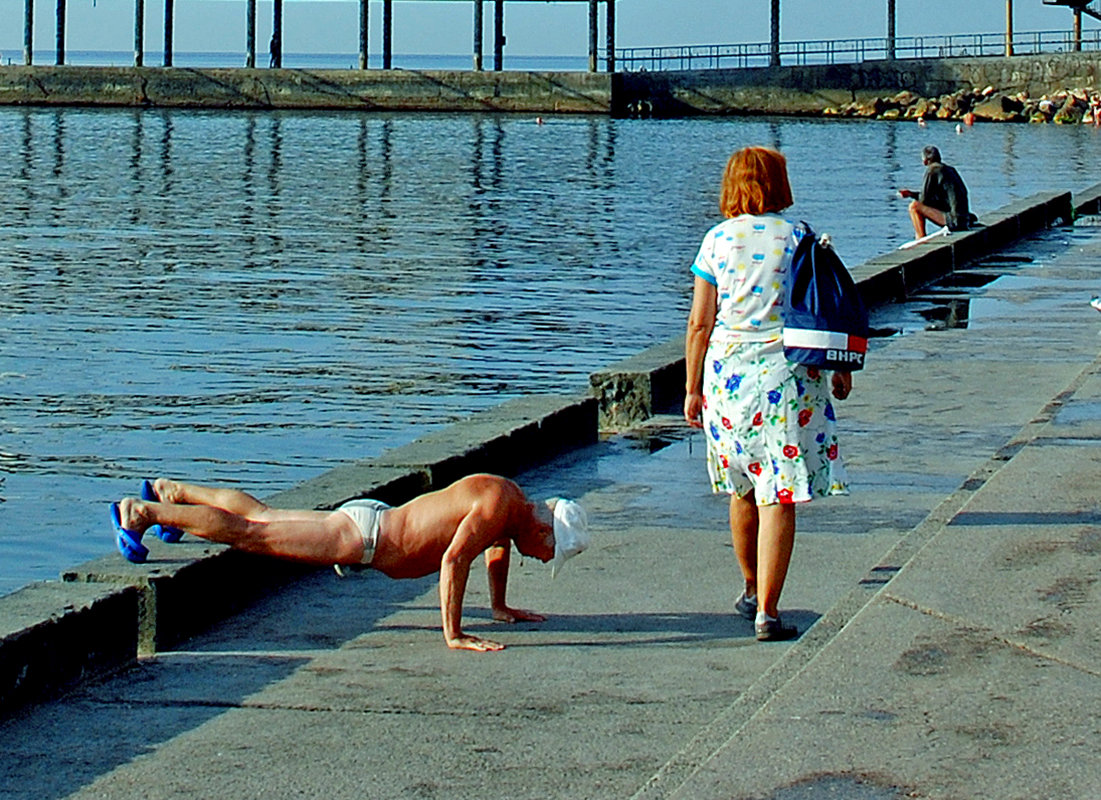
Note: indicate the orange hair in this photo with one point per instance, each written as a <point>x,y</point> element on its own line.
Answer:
<point>755,182</point>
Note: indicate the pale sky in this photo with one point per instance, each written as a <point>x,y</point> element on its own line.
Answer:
<point>324,26</point>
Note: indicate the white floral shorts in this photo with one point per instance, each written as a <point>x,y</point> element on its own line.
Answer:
<point>770,425</point>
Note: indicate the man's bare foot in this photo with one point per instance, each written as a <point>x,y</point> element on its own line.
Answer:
<point>166,490</point>
<point>511,615</point>
<point>134,514</point>
<point>466,642</point>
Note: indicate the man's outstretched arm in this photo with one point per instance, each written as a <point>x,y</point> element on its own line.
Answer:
<point>497,563</point>
<point>480,528</point>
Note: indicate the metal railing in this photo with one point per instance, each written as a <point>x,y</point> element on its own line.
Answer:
<point>850,51</point>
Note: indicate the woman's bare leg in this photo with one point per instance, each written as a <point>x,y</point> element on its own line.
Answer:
<point>775,541</point>
<point>744,524</point>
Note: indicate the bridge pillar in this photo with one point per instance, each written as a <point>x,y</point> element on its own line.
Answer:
<point>139,32</point>
<point>250,34</point>
<point>28,32</point>
<point>387,33</point>
<point>364,14</point>
<point>478,23</point>
<point>774,53</point>
<point>169,15</point>
<point>276,47</point>
<point>60,38</point>
<point>610,31</point>
<point>498,35</point>
<point>890,30</point>
<point>594,6</point>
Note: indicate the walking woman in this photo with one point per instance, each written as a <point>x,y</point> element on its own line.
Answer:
<point>769,424</point>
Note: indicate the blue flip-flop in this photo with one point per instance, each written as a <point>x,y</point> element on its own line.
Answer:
<point>129,542</point>
<point>165,533</point>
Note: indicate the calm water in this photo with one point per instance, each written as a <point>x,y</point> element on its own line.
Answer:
<point>254,298</point>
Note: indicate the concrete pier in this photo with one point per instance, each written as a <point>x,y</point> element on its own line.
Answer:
<point>813,88</point>
<point>790,90</point>
<point>948,607</point>
<point>364,90</point>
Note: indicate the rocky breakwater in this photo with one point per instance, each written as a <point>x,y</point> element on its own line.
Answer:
<point>1070,107</point>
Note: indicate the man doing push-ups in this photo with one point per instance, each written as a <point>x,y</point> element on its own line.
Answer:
<point>440,531</point>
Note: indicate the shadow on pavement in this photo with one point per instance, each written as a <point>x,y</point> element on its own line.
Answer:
<point>53,749</point>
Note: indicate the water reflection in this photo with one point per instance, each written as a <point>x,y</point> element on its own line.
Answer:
<point>386,160</point>
<point>275,165</point>
<point>26,161</point>
<point>891,168</point>
<point>774,137</point>
<point>137,173</point>
<point>59,150</point>
<point>1009,163</point>
<point>253,298</point>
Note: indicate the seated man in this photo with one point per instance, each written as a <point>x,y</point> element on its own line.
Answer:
<point>943,198</point>
<point>443,530</point>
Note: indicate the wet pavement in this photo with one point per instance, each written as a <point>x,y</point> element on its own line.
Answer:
<point>948,611</point>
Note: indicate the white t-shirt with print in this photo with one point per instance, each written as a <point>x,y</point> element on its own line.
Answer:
<point>746,258</point>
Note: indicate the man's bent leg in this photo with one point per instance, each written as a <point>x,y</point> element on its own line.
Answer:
<point>919,212</point>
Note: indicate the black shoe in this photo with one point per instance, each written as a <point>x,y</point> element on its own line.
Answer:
<point>774,630</point>
<point>746,606</point>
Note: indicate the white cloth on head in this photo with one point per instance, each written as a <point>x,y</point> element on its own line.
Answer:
<point>571,532</point>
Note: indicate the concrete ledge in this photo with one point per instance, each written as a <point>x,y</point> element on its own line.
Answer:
<point>53,636</point>
<point>175,587</point>
<point>391,485</point>
<point>890,277</point>
<point>507,439</point>
<point>174,600</point>
<point>1040,211</point>
<point>636,388</point>
<point>377,90</point>
<point>1088,202</point>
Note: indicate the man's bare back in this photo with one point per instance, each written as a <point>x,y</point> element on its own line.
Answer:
<point>415,536</point>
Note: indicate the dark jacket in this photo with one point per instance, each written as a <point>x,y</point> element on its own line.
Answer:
<point>944,191</point>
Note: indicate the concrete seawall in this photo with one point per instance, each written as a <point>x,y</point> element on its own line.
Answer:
<point>105,613</point>
<point>363,90</point>
<point>768,90</point>
<point>811,89</point>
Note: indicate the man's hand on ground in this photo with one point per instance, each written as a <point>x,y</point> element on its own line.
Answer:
<point>506,614</point>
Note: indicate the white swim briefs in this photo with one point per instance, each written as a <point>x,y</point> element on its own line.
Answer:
<point>367,515</point>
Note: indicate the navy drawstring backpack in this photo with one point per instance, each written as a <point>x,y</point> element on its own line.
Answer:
<point>825,320</point>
